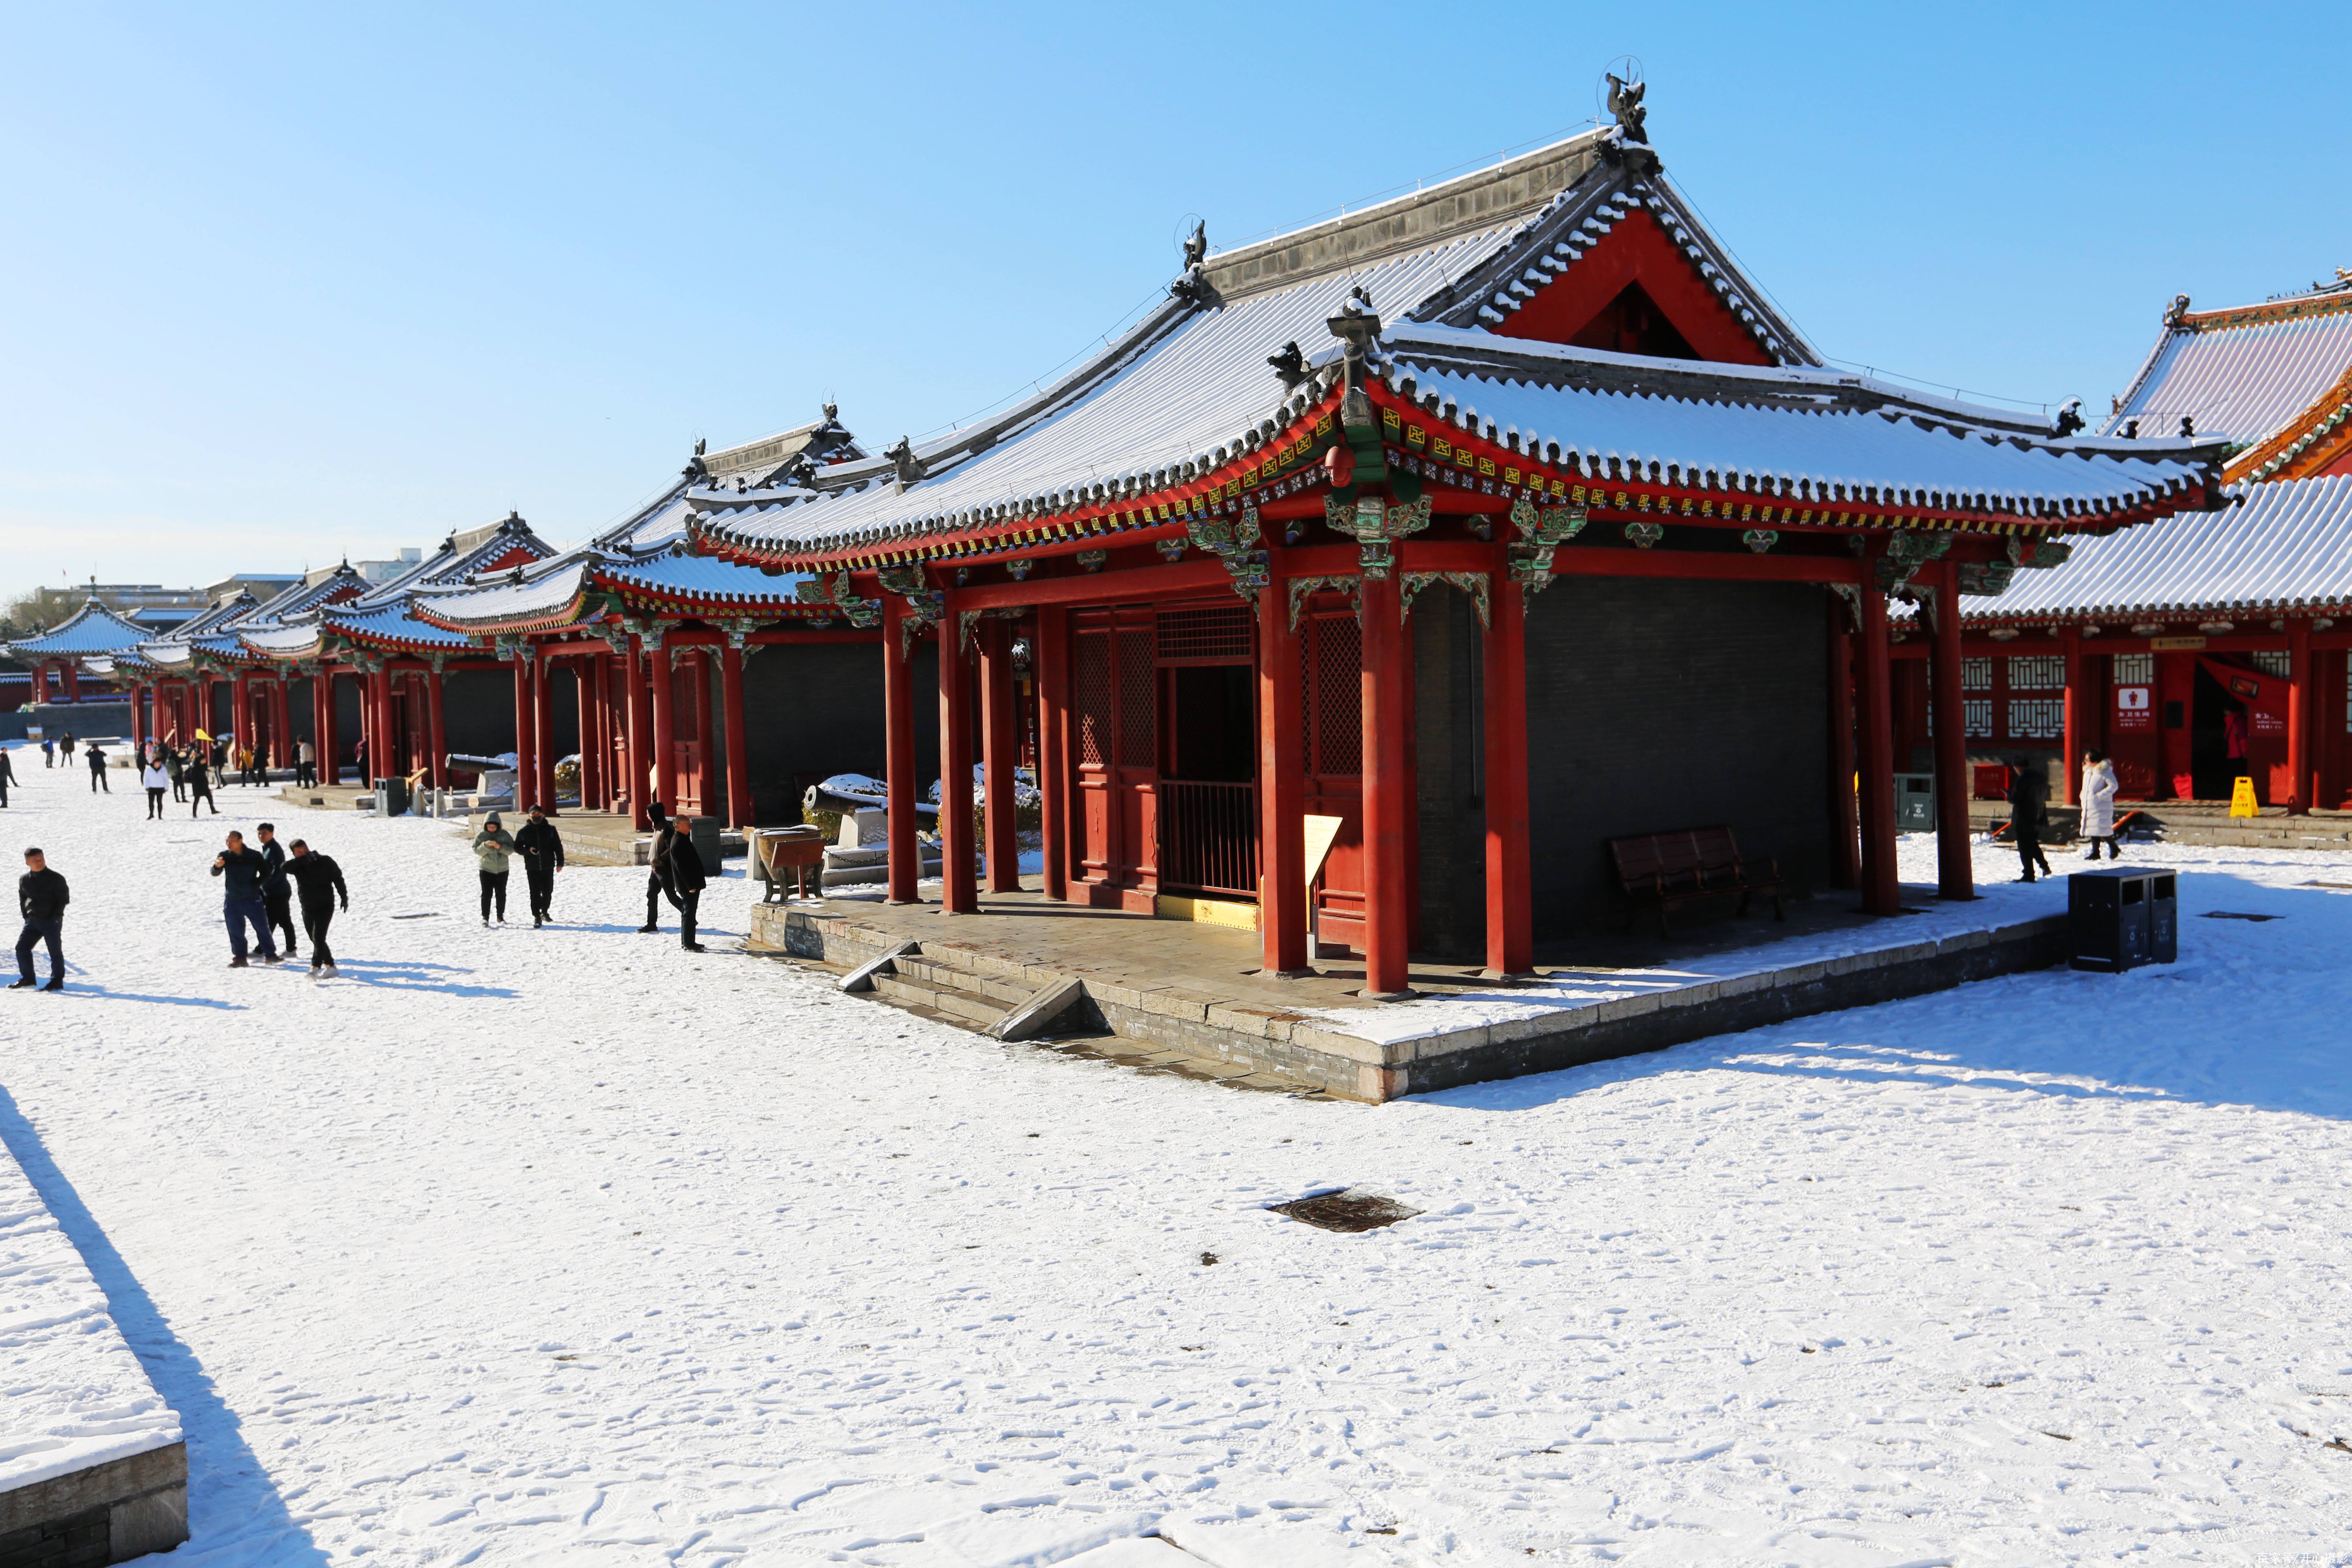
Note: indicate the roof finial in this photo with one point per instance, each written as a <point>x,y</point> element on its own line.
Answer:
<point>1626,103</point>
<point>701,443</point>
<point>2176,310</point>
<point>832,412</point>
<point>1196,247</point>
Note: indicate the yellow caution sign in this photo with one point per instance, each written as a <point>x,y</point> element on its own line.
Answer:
<point>2241,798</point>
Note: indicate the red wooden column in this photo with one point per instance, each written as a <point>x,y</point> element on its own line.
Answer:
<point>594,752</point>
<point>640,736</point>
<point>898,751</point>
<point>1845,850</point>
<point>1954,871</point>
<point>281,725</point>
<point>665,731</point>
<point>1281,779</point>
<point>1510,908</point>
<point>435,736</point>
<point>542,730</point>
<point>1001,750</point>
<point>73,680</point>
<point>2303,788</point>
<point>957,893</point>
<point>322,727</point>
<point>1051,659</point>
<point>2069,756</point>
<point>738,760</point>
<point>1880,890</point>
<point>1388,789</point>
<point>526,775</point>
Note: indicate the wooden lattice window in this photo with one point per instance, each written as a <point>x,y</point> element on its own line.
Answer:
<point>1976,715</point>
<point>1221,633</point>
<point>2133,669</point>
<point>2036,718</point>
<point>2274,662</point>
<point>2036,672</point>
<point>1975,674</point>
<point>1139,699</point>
<point>1335,696</point>
<point>1091,696</point>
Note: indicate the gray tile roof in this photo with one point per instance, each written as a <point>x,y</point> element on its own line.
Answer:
<point>2288,548</point>
<point>2244,381</point>
<point>91,629</point>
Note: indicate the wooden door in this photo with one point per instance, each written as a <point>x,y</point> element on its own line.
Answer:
<point>1114,703</point>
<point>690,694</point>
<point>1331,663</point>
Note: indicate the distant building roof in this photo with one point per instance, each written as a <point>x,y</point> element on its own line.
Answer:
<point>91,629</point>
<point>2286,549</point>
<point>2254,373</point>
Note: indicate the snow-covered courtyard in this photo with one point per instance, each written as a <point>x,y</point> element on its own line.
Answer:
<point>569,1246</point>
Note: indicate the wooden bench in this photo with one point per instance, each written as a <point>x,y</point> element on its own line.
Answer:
<point>1671,868</point>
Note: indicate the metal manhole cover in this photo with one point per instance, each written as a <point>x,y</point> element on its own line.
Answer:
<point>1346,1212</point>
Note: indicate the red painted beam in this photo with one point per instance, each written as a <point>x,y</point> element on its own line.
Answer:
<point>1101,588</point>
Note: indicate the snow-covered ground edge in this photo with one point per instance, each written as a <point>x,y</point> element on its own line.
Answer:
<point>72,1395</point>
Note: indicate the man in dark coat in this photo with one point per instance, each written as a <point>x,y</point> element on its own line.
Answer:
<point>241,870</point>
<point>97,778</point>
<point>320,882</point>
<point>542,857</point>
<point>200,784</point>
<point>7,775</point>
<point>277,897</point>
<point>685,877</point>
<point>41,899</point>
<point>2025,792</point>
<point>658,886</point>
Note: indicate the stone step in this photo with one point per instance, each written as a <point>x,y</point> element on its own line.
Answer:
<point>959,1007</point>
<point>934,968</point>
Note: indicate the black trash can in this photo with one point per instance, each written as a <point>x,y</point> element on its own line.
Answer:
<point>391,797</point>
<point>2120,920</point>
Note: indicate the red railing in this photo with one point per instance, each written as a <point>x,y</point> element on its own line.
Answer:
<point>1208,837</point>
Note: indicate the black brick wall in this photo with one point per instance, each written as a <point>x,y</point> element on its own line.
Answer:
<point>1651,705</point>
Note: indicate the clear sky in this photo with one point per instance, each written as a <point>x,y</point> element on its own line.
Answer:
<point>287,284</point>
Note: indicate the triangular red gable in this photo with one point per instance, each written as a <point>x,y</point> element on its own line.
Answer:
<point>1634,270</point>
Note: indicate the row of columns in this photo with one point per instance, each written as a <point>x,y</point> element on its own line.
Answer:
<point>42,671</point>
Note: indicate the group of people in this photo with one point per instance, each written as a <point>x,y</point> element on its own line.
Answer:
<point>262,885</point>
<point>2097,796</point>
<point>676,872</point>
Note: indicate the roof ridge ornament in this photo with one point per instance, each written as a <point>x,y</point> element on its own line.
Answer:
<point>2176,313</point>
<point>903,461</point>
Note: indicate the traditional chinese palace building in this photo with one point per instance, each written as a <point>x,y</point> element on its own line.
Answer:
<point>2209,646</point>
<point>1491,522</point>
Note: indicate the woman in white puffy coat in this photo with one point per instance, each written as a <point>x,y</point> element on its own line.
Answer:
<point>2098,798</point>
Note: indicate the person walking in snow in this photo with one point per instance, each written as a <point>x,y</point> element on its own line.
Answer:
<point>7,775</point>
<point>276,898</point>
<point>48,752</point>
<point>199,781</point>
<point>542,857</point>
<point>41,899</point>
<point>686,878</point>
<point>242,871</point>
<point>65,747</point>
<point>2098,798</point>
<point>97,778</point>
<point>2025,792</point>
<point>494,849</point>
<point>658,884</point>
<point>176,767</point>
<point>320,881</point>
<point>306,765</point>
<point>155,780</point>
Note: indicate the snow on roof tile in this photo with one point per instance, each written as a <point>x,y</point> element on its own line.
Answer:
<point>681,575</point>
<point>2288,546</point>
<point>93,628</point>
<point>2244,382</point>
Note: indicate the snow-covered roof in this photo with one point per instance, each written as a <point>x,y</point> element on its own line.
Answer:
<point>1181,404</point>
<point>2242,372</point>
<point>491,547</point>
<point>394,624</point>
<point>677,574</point>
<point>521,594</point>
<point>1813,433</point>
<point>93,628</point>
<point>2286,547</point>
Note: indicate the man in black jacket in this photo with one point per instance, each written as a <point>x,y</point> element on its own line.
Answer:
<point>2025,792</point>
<point>542,857</point>
<point>41,899</point>
<point>276,898</point>
<point>200,782</point>
<point>321,883</point>
<point>241,903</point>
<point>686,880</point>
<point>97,778</point>
<point>657,886</point>
<point>7,775</point>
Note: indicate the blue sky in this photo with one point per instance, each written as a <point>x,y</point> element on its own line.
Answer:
<point>287,284</point>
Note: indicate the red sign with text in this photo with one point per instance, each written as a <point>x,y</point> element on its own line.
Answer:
<point>2134,708</point>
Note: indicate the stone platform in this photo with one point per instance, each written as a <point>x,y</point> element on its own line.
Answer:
<point>1193,992</point>
<point>2199,824</point>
